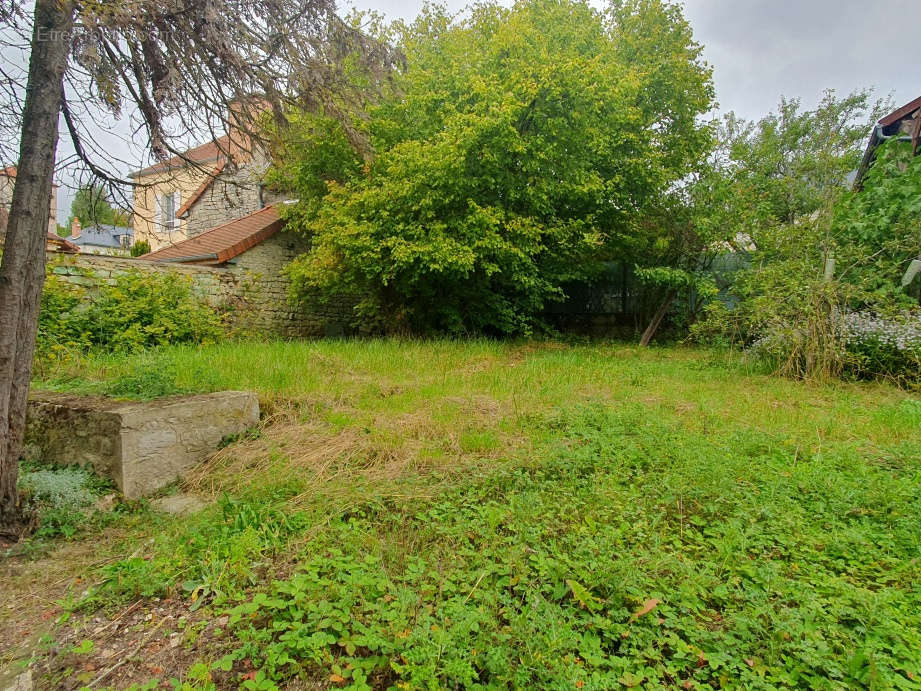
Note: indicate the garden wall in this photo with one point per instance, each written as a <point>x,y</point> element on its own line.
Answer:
<point>252,287</point>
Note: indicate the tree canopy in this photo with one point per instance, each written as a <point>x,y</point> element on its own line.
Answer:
<point>519,151</point>
<point>92,207</point>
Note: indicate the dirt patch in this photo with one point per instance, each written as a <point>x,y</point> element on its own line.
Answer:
<point>33,589</point>
<point>148,641</point>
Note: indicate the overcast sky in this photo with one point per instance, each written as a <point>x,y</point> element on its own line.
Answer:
<point>761,49</point>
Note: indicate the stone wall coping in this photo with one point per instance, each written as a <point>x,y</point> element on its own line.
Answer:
<point>141,445</point>
<point>142,263</point>
<point>104,404</point>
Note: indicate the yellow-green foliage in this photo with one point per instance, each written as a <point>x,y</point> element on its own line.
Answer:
<point>137,310</point>
<point>521,151</point>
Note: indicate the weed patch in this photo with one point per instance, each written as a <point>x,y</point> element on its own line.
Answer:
<point>635,555</point>
<point>472,514</point>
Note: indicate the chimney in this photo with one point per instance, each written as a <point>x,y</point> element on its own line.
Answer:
<point>242,116</point>
<point>75,228</point>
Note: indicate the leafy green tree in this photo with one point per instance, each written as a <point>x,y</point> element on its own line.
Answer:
<point>92,207</point>
<point>522,151</point>
<point>878,228</point>
<point>805,235</point>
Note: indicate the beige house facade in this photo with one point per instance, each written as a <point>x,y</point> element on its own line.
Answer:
<point>204,187</point>
<point>8,181</point>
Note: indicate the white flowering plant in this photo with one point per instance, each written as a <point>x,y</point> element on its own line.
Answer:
<point>882,346</point>
<point>864,344</point>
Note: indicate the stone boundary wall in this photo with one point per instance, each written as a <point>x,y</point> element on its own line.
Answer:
<point>252,287</point>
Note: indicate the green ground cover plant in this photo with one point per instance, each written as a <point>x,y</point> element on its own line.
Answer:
<point>62,497</point>
<point>473,514</point>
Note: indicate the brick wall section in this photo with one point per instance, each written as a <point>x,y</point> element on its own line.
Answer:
<point>252,286</point>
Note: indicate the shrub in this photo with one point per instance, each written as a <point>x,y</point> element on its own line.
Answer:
<point>862,344</point>
<point>884,347</point>
<point>137,311</point>
<point>140,247</point>
<point>520,154</point>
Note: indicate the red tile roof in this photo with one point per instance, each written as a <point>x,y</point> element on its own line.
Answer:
<point>62,244</point>
<point>212,151</point>
<point>224,242</point>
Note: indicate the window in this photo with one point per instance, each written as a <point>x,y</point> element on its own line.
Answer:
<point>165,213</point>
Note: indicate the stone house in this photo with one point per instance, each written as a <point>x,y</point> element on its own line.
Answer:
<point>7,182</point>
<point>204,187</point>
<point>253,250</point>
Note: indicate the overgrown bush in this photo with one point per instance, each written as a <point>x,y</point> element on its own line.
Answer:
<point>863,345</point>
<point>884,347</point>
<point>521,153</point>
<point>136,311</point>
<point>140,247</point>
<point>815,257</point>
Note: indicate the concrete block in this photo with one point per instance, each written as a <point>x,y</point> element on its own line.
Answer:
<point>142,446</point>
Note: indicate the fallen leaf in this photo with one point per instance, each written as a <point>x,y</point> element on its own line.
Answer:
<point>749,661</point>
<point>647,607</point>
<point>336,678</point>
<point>580,684</point>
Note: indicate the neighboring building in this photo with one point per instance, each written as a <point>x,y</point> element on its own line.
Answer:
<point>256,241</point>
<point>251,252</point>
<point>8,181</point>
<point>904,123</point>
<point>177,200</point>
<point>115,241</point>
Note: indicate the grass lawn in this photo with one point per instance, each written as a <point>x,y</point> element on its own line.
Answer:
<point>467,514</point>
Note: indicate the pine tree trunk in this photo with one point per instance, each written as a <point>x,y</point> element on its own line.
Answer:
<point>22,270</point>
